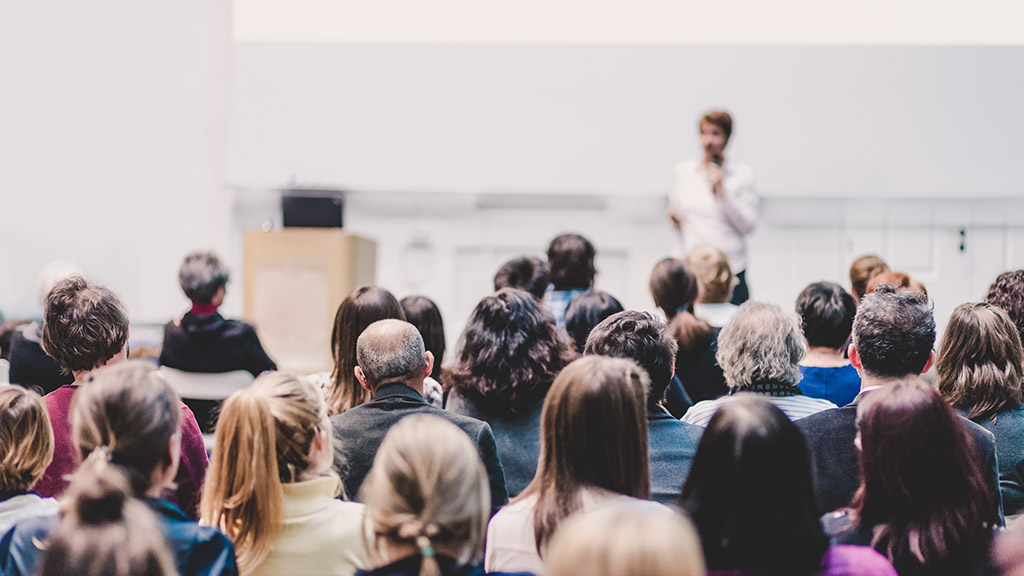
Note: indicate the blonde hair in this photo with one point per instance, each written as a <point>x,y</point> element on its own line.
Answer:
<point>263,440</point>
<point>26,438</point>
<point>625,540</point>
<point>428,487</point>
<point>711,267</point>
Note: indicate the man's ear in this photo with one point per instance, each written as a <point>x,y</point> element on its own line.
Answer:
<point>429,357</point>
<point>854,356</point>
<point>361,378</point>
<point>929,363</point>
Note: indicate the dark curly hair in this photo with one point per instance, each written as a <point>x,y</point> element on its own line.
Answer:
<point>509,354</point>
<point>826,314</point>
<point>894,332</point>
<point>527,273</point>
<point>643,339</point>
<point>1007,292</point>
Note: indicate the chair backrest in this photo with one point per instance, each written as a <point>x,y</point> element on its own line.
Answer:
<point>206,386</point>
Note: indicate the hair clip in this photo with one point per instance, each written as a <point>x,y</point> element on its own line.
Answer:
<point>100,453</point>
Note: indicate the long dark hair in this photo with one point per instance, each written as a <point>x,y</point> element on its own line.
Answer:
<point>424,314</point>
<point>364,306</point>
<point>509,354</point>
<point>921,488</point>
<point>674,289</point>
<point>750,492</point>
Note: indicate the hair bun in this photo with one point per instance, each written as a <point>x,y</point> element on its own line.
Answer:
<point>97,494</point>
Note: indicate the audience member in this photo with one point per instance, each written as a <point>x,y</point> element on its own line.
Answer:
<point>675,289</point>
<point>893,334</point>
<point>625,541</point>
<point>526,273</point>
<point>979,374</point>
<point>391,366</point>
<point>571,258</point>
<point>427,501</point>
<point>900,280</point>
<point>923,501</point>
<point>711,267</point>
<point>760,350</point>
<point>85,328</point>
<point>593,454</point>
<point>1008,555</point>
<point>364,306</point>
<point>128,416</point>
<point>270,488</point>
<point>1007,292</point>
<point>826,314</point>
<point>424,314</point>
<point>509,355</point>
<point>672,444</point>
<point>105,531</point>
<point>586,311</point>
<point>862,271</point>
<point>751,497</point>
<point>26,443</point>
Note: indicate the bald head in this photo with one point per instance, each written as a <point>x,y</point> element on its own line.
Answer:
<point>391,351</point>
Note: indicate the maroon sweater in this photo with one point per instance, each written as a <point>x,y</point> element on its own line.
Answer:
<point>191,471</point>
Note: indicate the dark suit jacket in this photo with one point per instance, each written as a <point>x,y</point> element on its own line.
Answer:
<point>671,448</point>
<point>213,344</point>
<point>836,465</point>
<point>360,432</point>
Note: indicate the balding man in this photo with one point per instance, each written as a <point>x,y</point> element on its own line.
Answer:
<point>391,364</point>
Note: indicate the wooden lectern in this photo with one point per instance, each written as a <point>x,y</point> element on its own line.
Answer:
<point>294,281</point>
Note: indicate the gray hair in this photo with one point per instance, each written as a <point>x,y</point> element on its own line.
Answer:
<point>390,350</point>
<point>760,344</point>
<point>201,275</point>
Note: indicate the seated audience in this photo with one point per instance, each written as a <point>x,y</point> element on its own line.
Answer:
<point>571,258</point>
<point>1007,292</point>
<point>923,501</point>
<point>364,306</point>
<point>593,454</point>
<point>893,334</point>
<point>526,273</point>
<point>711,267</point>
<point>900,280</point>
<point>751,497</point>
<point>424,314</point>
<point>86,328</point>
<point>105,531</point>
<point>862,271</point>
<point>586,311</point>
<point>509,355</point>
<point>427,501</point>
<point>127,416</point>
<point>675,289</point>
<point>826,313</point>
<point>979,374</point>
<point>621,541</point>
<point>760,350</point>
<point>391,366</point>
<point>27,443</point>
<point>671,443</point>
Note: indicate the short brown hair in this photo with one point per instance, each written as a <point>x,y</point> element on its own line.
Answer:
<point>864,269</point>
<point>1007,292</point>
<point>84,324</point>
<point>571,262</point>
<point>26,437</point>
<point>719,118</point>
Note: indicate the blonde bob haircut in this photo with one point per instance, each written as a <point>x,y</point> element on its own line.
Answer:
<point>711,266</point>
<point>263,440</point>
<point>26,438</point>
<point>427,488</point>
<point>626,540</point>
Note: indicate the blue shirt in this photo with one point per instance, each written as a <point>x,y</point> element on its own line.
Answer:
<point>839,384</point>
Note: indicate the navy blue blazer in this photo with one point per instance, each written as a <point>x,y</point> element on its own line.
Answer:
<point>672,445</point>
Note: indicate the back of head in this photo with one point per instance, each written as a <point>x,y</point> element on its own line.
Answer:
<point>104,531</point>
<point>894,332</point>
<point>391,351</point>
<point>424,314</point>
<point>586,311</point>
<point>593,435</point>
<point>571,258</point>
<point>899,280</point>
<point>128,411</point>
<point>428,488</point>
<point>623,541</point>
<point>201,275</point>
<point>761,344</point>
<point>674,289</point>
<point>1007,292</point>
<point>863,270</point>
<point>750,492</point>
<point>526,273</point>
<point>364,306</point>
<point>826,313</point>
<point>711,266</point>
<point>643,339</point>
<point>26,439</point>
<point>265,437</point>
<point>509,353</point>
<point>84,325</point>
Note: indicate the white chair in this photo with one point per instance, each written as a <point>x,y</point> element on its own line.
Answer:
<point>206,386</point>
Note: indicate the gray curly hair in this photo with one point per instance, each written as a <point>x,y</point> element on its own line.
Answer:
<point>761,343</point>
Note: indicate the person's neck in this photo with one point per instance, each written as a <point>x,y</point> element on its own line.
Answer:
<point>204,309</point>
<point>868,380</point>
<point>824,357</point>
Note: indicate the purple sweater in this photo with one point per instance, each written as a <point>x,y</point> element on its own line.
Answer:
<point>191,470</point>
<point>839,560</point>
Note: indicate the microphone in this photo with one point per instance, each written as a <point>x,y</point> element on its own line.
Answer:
<point>717,159</point>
